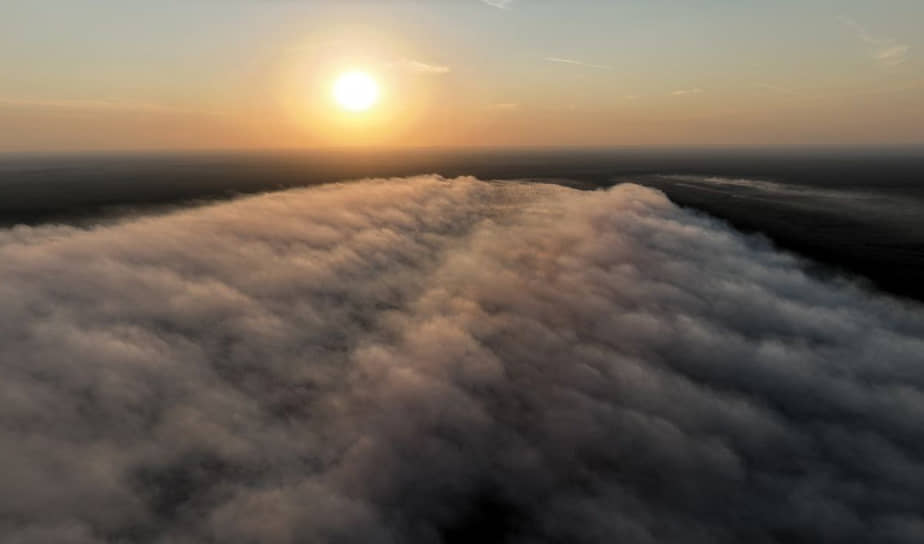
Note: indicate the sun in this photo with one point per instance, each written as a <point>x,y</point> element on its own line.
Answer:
<point>356,91</point>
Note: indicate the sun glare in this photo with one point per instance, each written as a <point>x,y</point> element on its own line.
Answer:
<point>356,91</point>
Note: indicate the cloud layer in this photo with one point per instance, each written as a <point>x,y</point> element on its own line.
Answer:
<point>432,360</point>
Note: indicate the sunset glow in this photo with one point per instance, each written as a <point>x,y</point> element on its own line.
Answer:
<point>458,74</point>
<point>356,91</point>
<point>520,271</point>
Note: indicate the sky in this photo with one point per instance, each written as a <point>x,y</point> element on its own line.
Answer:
<point>208,74</point>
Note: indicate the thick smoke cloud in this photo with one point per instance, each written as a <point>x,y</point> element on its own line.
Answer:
<point>431,360</point>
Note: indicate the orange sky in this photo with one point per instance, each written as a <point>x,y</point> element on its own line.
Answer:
<point>209,75</point>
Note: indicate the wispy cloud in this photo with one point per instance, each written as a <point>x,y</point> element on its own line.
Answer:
<point>423,67</point>
<point>500,4</point>
<point>893,55</point>
<point>505,106</point>
<point>561,60</point>
<point>886,50</point>
<point>684,92</point>
<point>775,88</point>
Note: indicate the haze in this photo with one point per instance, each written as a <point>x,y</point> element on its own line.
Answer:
<point>100,75</point>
